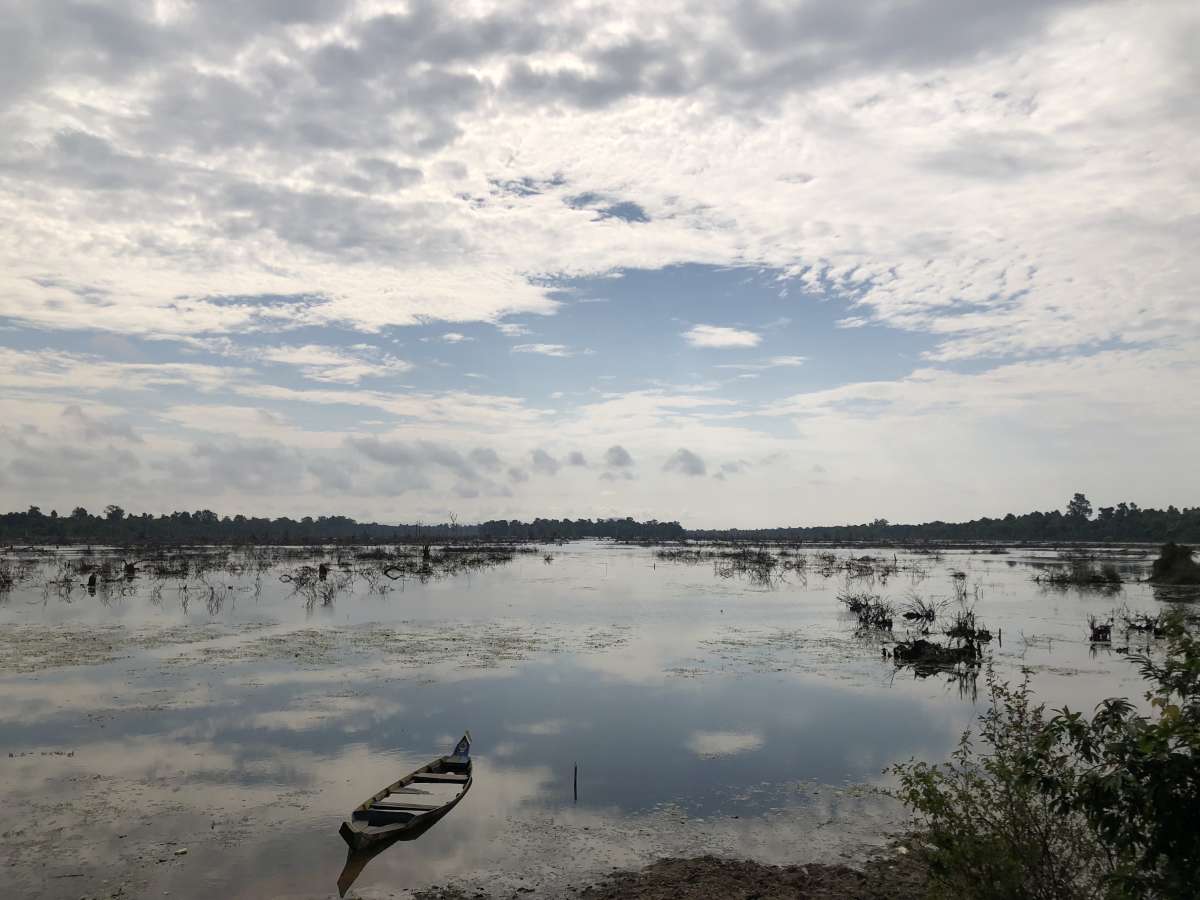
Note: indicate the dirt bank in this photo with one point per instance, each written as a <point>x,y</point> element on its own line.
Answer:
<point>899,875</point>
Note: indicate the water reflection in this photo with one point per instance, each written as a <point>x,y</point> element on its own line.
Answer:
<point>210,700</point>
<point>356,860</point>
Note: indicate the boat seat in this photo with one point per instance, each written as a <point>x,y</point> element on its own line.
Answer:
<point>405,807</point>
<point>434,777</point>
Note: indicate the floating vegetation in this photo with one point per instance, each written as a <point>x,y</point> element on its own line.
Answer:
<point>929,656</point>
<point>871,610</point>
<point>765,564</point>
<point>426,563</point>
<point>965,626</point>
<point>917,609</point>
<point>1100,630</point>
<point>1175,566</point>
<point>760,566</point>
<point>1141,621</point>
<point>1082,573</point>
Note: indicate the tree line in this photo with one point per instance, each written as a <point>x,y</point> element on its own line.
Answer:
<point>115,526</point>
<point>1124,522</point>
<point>1077,522</point>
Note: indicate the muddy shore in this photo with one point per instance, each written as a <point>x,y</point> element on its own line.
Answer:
<point>898,875</point>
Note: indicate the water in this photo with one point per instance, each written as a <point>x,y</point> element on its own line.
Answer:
<point>242,719</point>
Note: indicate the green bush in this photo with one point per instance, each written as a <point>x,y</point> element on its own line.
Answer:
<point>1068,807</point>
<point>992,832</point>
<point>1138,777</point>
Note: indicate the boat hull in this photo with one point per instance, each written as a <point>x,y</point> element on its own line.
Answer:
<point>360,834</point>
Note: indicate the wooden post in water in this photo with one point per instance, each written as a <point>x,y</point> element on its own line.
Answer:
<point>576,785</point>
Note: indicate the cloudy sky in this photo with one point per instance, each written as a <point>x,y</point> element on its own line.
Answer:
<point>742,263</point>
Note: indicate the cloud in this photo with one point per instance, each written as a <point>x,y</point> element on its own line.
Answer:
<point>96,428</point>
<point>558,350</point>
<point>374,184</point>
<point>512,329</point>
<point>575,458</point>
<point>774,362</point>
<point>517,475</point>
<point>332,364</point>
<point>454,337</point>
<point>1029,264</point>
<point>256,467</point>
<point>333,474</point>
<point>485,458</point>
<point>685,462</point>
<point>419,454</point>
<point>544,463</point>
<point>617,457</point>
<point>720,336</point>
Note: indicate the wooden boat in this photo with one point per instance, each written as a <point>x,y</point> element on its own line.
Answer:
<point>402,808</point>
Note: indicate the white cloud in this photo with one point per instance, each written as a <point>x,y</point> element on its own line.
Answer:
<point>512,329</point>
<point>1037,182</point>
<point>720,336</point>
<point>1017,189</point>
<point>332,364</point>
<point>774,362</point>
<point>559,350</point>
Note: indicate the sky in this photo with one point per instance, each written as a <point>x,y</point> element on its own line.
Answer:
<point>729,263</point>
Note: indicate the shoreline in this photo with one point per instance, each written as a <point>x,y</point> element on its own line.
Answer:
<point>899,874</point>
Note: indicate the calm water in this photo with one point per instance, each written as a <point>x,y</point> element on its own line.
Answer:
<point>242,719</point>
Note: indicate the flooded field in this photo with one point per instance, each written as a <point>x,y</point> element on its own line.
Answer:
<point>200,724</point>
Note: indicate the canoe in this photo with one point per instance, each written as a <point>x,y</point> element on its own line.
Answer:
<point>403,807</point>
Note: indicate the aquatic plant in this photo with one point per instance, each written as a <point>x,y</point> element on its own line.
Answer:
<point>1141,621</point>
<point>917,609</point>
<point>1175,566</point>
<point>965,626</point>
<point>871,610</point>
<point>1082,573</point>
<point>928,656</point>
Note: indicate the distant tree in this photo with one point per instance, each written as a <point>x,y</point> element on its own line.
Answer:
<point>114,513</point>
<point>34,511</point>
<point>79,513</point>
<point>1080,507</point>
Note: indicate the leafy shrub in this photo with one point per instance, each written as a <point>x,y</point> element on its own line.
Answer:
<point>992,833</point>
<point>1138,777</point>
<point>1175,566</point>
<point>1063,806</point>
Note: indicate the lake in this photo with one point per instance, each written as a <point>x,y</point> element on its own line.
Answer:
<point>239,710</point>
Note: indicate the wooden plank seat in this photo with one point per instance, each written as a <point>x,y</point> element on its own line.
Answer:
<point>435,777</point>
<point>404,806</point>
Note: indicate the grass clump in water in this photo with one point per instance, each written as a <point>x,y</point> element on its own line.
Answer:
<point>871,610</point>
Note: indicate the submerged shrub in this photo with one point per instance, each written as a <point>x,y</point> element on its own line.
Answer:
<point>1175,566</point>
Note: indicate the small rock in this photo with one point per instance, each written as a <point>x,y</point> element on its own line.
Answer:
<point>182,851</point>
